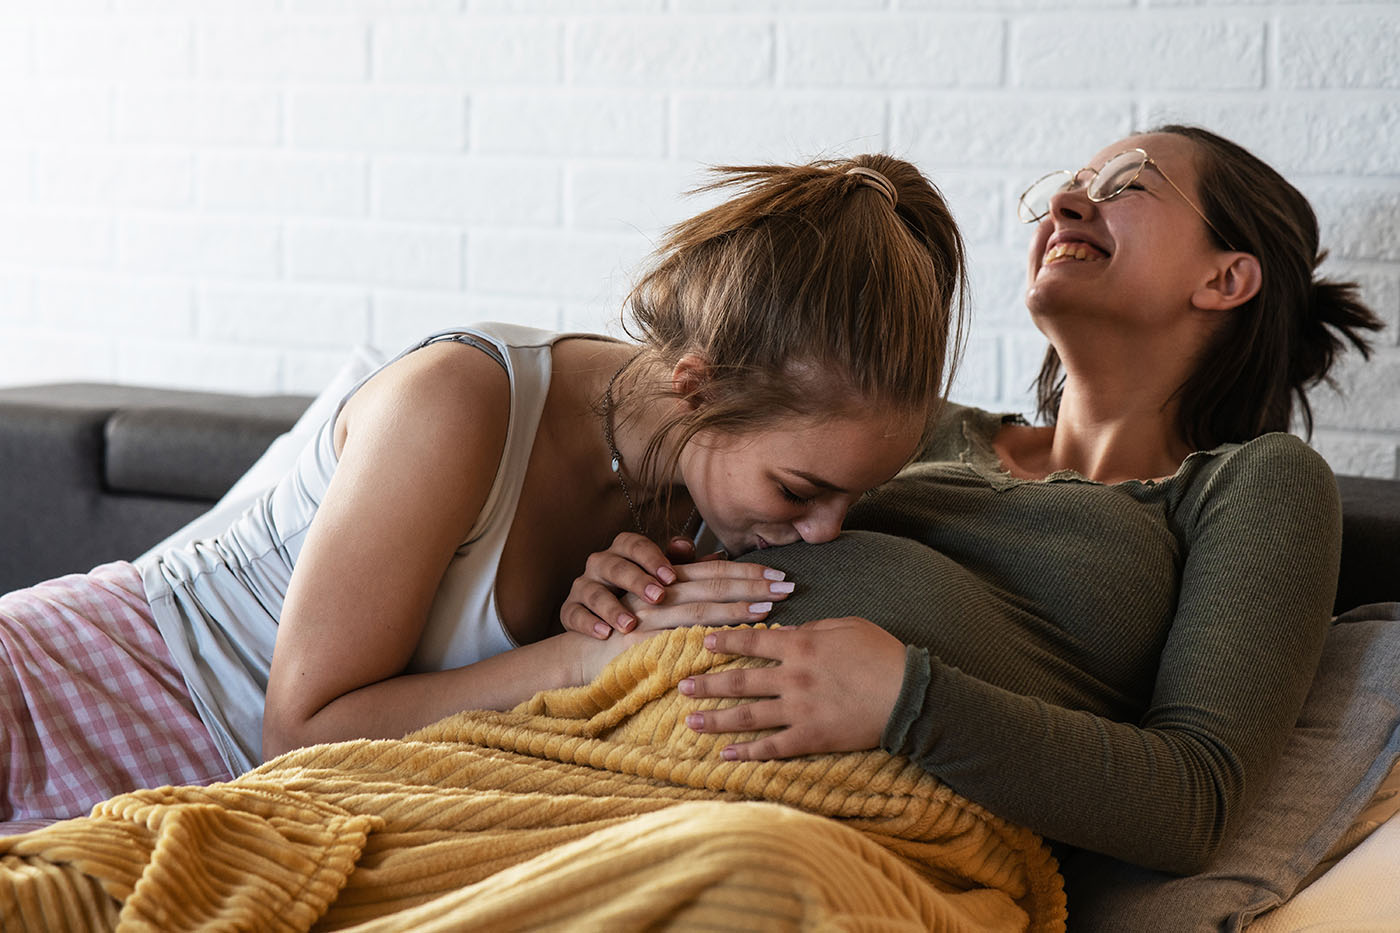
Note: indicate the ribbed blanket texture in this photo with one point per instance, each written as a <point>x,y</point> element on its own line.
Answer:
<point>589,808</point>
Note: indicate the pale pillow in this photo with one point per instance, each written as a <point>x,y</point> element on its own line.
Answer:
<point>280,455</point>
<point>1383,806</point>
<point>1345,744</point>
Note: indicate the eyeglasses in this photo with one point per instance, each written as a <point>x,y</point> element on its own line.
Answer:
<point>1106,184</point>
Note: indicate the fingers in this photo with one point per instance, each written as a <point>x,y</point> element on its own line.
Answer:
<point>708,569</point>
<point>740,682</point>
<point>618,584</point>
<point>680,550</point>
<point>593,609</point>
<point>755,643</point>
<point>715,595</point>
<point>728,590</point>
<point>834,687</point>
<point>746,717</point>
<point>755,717</point>
<point>633,563</point>
<point>681,614</point>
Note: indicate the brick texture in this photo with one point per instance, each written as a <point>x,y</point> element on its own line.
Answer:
<point>230,193</point>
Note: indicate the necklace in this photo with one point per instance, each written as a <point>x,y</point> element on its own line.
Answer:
<point>608,407</point>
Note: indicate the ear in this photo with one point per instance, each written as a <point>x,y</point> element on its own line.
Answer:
<point>1235,280</point>
<point>690,380</point>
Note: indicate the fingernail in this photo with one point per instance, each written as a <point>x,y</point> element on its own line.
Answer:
<point>626,623</point>
<point>781,587</point>
<point>600,629</point>
<point>774,575</point>
<point>654,592</point>
<point>710,642</point>
<point>695,721</point>
<point>686,686</point>
<point>759,608</point>
<point>666,575</point>
<point>730,753</point>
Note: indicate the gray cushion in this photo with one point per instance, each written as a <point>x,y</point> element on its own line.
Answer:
<point>91,473</point>
<point>1370,532</point>
<point>1346,740</point>
<point>191,453</point>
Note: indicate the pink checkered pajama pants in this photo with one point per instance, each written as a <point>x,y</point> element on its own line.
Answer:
<point>91,703</point>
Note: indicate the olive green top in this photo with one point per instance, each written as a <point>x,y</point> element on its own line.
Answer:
<point>1114,666</point>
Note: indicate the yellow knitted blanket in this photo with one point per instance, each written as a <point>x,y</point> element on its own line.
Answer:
<point>591,808</point>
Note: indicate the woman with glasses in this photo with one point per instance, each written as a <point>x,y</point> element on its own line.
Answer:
<point>1102,627</point>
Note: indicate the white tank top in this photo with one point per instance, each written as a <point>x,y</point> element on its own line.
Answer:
<point>217,601</point>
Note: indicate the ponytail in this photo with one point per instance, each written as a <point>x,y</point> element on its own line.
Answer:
<point>1337,317</point>
<point>817,288</point>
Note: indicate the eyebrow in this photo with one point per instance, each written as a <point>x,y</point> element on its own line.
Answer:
<point>817,481</point>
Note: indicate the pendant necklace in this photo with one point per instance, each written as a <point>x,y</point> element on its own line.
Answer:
<point>617,467</point>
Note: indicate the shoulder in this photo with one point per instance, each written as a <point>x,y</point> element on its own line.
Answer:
<point>1271,464</point>
<point>1273,483</point>
<point>444,388</point>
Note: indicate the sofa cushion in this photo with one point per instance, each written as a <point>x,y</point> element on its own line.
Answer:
<point>186,452</point>
<point>162,442</point>
<point>65,508</point>
<point>1370,532</point>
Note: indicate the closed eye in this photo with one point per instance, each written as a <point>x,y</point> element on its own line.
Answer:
<point>793,497</point>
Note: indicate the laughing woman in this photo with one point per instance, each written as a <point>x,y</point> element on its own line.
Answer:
<point>1102,628</point>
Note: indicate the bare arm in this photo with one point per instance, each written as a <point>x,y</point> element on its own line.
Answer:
<point>398,705</point>
<point>421,445</point>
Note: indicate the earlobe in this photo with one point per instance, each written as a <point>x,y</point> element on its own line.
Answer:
<point>1232,284</point>
<point>689,379</point>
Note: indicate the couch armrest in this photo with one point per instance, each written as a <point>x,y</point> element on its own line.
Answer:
<point>91,473</point>
<point>1370,542</point>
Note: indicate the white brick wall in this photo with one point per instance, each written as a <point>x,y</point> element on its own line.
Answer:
<point>229,193</point>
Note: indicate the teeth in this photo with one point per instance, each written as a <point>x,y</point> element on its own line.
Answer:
<point>1076,251</point>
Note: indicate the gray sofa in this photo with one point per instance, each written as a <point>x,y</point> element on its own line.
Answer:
<point>91,473</point>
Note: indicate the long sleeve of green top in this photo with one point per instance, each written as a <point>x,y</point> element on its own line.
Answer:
<point>1115,666</point>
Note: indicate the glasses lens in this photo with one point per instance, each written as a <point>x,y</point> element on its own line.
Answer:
<point>1117,174</point>
<point>1035,203</point>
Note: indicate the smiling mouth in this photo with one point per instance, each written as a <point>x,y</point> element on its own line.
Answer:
<point>1072,252</point>
<point>762,543</point>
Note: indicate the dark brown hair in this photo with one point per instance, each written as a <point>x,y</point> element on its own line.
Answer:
<point>1281,342</point>
<point>807,292</point>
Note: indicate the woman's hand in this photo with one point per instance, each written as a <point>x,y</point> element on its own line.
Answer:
<point>632,564</point>
<point>716,592</point>
<point>833,688</point>
<point>633,583</point>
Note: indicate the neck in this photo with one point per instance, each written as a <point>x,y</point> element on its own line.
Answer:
<point>1118,414</point>
<point>630,421</point>
<point>1125,438</point>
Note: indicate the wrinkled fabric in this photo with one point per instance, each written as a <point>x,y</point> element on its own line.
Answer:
<point>91,703</point>
<point>584,808</point>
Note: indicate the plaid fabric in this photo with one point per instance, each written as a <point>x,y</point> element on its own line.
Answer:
<point>91,703</point>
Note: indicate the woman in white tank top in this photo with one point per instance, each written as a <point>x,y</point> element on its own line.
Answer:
<point>790,347</point>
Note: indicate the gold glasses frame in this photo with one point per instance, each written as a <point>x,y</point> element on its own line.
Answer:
<point>1027,213</point>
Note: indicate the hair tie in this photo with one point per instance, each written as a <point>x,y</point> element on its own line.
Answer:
<point>877,181</point>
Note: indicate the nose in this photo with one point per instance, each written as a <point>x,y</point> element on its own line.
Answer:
<point>1071,203</point>
<point>821,524</point>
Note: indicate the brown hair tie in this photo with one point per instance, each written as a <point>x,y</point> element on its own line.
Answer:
<point>877,181</point>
